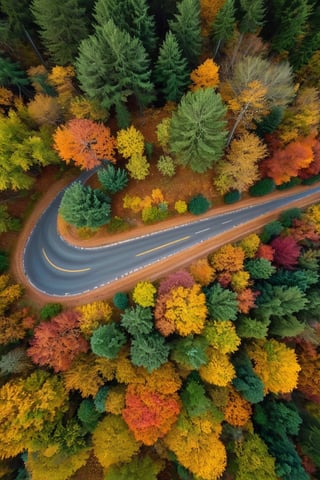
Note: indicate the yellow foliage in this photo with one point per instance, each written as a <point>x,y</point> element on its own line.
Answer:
<point>228,258</point>
<point>138,166</point>
<point>209,10</point>
<point>163,133</point>
<point>113,442</point>
<point>130,142</point>
<point>44,109</point>
<point>6,97</point>
<point>115,401</point>
<point>276,365</point>
<point>238,410</point>
<point>202,271</point>
<point>61,78</point>
<point>222,336</point>
<point>82,107</point>
<point>92,315</point>
<point>240,280</point>
<point>164,379</point>
<point>9,293</point>
<point>219,370</point>
<point>312,214</point>
<point>205,75</point>
<point>186,309</point>
<point>143,294</point>
<point>58,467</point>
<point>181,206</point>
<point>34,73</point>
<point>134,203</point>
<point>250,245</point>
<point>157,196</point>
<point>126,372</point>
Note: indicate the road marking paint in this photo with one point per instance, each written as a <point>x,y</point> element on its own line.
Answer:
<point>63,269</point>
<point>227,221</point>
<point>203,230</point>
<point>162,246</point>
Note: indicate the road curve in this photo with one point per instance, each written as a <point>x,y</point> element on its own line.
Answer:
<point>57,268</point>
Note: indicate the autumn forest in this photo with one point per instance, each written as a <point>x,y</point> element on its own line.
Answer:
<point>176,107</point>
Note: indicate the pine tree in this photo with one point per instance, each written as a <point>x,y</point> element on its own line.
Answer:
<point>197,130</point>
<point>187,28</point>
<point>171,70</point>
<point>120,67</point>
<point>113,179</point>
<point>62,26</point>
<point>223,25</point>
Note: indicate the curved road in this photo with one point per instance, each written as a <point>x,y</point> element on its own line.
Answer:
<point>57,268</point>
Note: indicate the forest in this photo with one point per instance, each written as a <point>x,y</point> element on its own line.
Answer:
<point>177,107</point>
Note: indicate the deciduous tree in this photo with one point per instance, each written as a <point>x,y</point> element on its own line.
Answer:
<point>130,141</point>
<point>205,75</point>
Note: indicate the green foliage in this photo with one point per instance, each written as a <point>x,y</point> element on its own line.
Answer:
<point>11,74</point>
<point>15,361</point>
<point>120,300</point>
<point>137,320</point>
<point>8,223</point>
<point>271,230</point>
<point>139,468</point>
<point>69,435</point>
<point>113,179</point>
<point>4,261</point>
<point>197,131</point>
<point>107,340</point>
<point>293,182</point>
<point>286,326</point>
<point>246,381</point>
<point>149,351</point>
<point>270,122</point>
<point>252,327</point>
<point>120,67</point>
<point>253,460</point>
<point>83,206</point>
<point>100,399</point>
<point>277,418</point>
<point>198,204</point>
<point>259,268</point>
<point>222,303</point>
<point>171,71</point>
<point>88,415</point>
<point>194,398</point>
<point>50,310</point>
<point>287,217</point>
<point>232,197</point>
<point>117,224</point>
<point>279,301</point>
<point>262,187</point>
<point>190,352</point>
<point>62,26</point>
<point>309,437</point>
<point>154,213</point>
<point>223,25</point>
<point>300,278</point>
<point>166,165</point>
<point>187,28</point>
<point>253,13</point>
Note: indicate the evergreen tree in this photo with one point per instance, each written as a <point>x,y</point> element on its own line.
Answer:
<point>270,122</point>
<point>131,16</point>
<point>309,44</point>
<point>113,179</point>
<point>223,25</point>
<point>171,70</point>
<point>120,68</point>
<point>197,133</point>
<point>107,340</point>
<point>187,28</point>
<point>222,303</point>
<point>62,26</point>
<point>149,351</point>
<point>11,74</point>
<point>247,381</point>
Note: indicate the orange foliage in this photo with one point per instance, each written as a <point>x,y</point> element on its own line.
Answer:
<point>246,300</point>
<point>6,98</point>
<point>202,272</point>
<point>238,410</point>
<point>265,251</point>
<point>209,10</point>
<point>228,257</point>
<point>84,142</point>
<point>205,75</point>
<point>309,377</point>
<point>150,414</point>
<point>14,326</point>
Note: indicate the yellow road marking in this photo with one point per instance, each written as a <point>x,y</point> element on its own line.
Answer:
<point>60,268</point>
<point>162,246</point>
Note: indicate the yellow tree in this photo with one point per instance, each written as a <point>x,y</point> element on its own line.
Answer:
<point>61,78</point>
<point>143,294</point>
<point>44,109</point>
<point>250,245</point>
<point>205,75</point>
<point>92,315</point>
<point>240,170</point>
<point>202,271</point>
<point>130,142</point>
<point>138,166</point>
<point>219,370</point>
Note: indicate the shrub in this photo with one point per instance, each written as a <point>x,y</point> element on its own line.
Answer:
<point>262,187</point>
<point>117,224</point>
<point>181,206</point>
<point>120,300</point>
<point>50,310</point>
<point>198,204</point>
<point>291,183</point>
<point>311,180</point>
<point>232,197</point>
<point>4,261</point>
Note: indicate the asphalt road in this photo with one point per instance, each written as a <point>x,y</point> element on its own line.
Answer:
<point>60,269</point>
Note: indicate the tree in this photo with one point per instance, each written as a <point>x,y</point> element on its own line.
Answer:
<point>143,294</point>
<point>92,315</point>
<point>107,340</point>
<point>50,310</point>
<point>222,303</point>
<point>228,257</point>
<point>7,223</point>
<point>120,69</point>
<point>202,271</point>
<point>260,268</point>
<point>252,19</point>
<point>166,165</point>
<point>222,27</point>
<point>130,141</point>
<point>120,300</point>
<point>222,336</point>
<point>83,206</point>
<point>56,343</point>
<point>187,29</point>
<point>286,252</point>
<point>256,86</point>
<point>205,75</point>
<point>171,70</point>
<point>246,380</point>
<point>62,27</point>
<point>198,204</point>
<point>209,11</point>
<point>254,460</point>
<point>219,370</point>
<point>137,320</point>
<point>180,278</point>
<point>113,179</point>
<point>241,168</point>
<point>12,75</point>
<point>44,109</point>
<point>138,166</point>
<point>197,130</point>
<point>190,352</point>
<point>84,142</point>
<point>139,468</point>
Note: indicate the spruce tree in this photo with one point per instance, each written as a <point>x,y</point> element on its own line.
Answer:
<point>223,25</point>
<point>309,44</point>
<point>112,66</point>
<point>197,133</point>
<point>171,70</point>
<point>62,26</point>
<point>187,28</point>
<point>113,179</point>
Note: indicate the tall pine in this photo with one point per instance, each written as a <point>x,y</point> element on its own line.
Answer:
<point>171,70</point>
<point>223,25</point>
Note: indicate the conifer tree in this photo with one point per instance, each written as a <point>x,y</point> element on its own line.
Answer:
<point>186,26</point>
<point>223,25</point>
<point>62,26</point>
<point>120,68</point>
<point>171,70</point>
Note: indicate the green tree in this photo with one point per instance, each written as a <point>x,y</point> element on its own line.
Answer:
<point>259,268</point>
<point>50,310</point>
<point>62,26</point>
<point>120,68</point>
<point>4,261</point>
<point>222,303</point>
<point>186,26</point>
<point>197,131</point>
<point>247,381</point>
<point>270,122</point>
<point>198,205</point>
<point>83,206</point>
<point>223,25</point>
<point>88,415</point>
<point>11,74</point>
<point>253,460</point>
<point>190,352</point>
<point>120,300</point>
<point>248,327</point>
<point>7,222</point>
<point>171,70</point>
<point>149,351</point>
<point>166,165</point>
<point>310,42</point>
<point>113,179</point>
<point>137,320</point>
<point>139,468</point>
<point>271,230</point>
<point>194,398</point>
<point>107,340</point>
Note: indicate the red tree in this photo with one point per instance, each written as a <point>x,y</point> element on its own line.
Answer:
<point>265,251</point>
<point>58,342</point>
<point>181,278</point>
<point>286,252</point>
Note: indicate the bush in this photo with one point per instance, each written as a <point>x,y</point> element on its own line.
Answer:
<point>311,180</point>
<point>232,197</point>
<point>292,183</point>
<point>117,224</point>
<point>4,261</point>
<point>154,214</point>
<point>270,230</point>
<point>120,300</point>
<point>50,310</point>
<point>198,205</point>
<point>288,216</point>
<point>262,187</point>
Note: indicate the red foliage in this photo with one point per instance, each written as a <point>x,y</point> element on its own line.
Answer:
<point>302,230</point>
<point>150,414</point>
<point>56,343</point>
<point>181,278</point>
<point>286,252</point>
<point>265,251</point>
<point>246,299</point>
<point>224,279</point>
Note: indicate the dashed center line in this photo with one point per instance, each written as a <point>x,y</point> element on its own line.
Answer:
<point>162,246</point>
<point>203,230</point>
<point>227,221</point>
<point>63,269</point>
